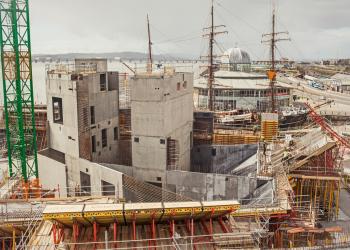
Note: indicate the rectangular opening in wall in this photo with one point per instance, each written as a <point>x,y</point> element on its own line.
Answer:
<point>115,133</point>
<point>103,82</point>
<point>85,184</point>
<point>108,189</point>
<point>92,115</point>
<point>113,80</point>
<point>155,184</point>
<point>173,154</point>
<point>136,139</point>
<point>93,144</point>
<point>104,137</point>
<point>57,110</point>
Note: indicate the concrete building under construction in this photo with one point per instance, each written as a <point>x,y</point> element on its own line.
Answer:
<point>130,162</point>
<point>161,122</point>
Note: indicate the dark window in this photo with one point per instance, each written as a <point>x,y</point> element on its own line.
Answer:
<point>108,189</point>
<point>178,86</point>
<point>184,84</point>
<point>104,137</point>
<point>93,143</point>
<point>159,178</point>
<point>85,184</point>
<point>213,151</point>
<point>102,82</point>
<point>92,115</point>
<point>115,131</point>
<point>136,139</point>
<point>162,141</point>
<point>57,110</point>
<point>155,184</point>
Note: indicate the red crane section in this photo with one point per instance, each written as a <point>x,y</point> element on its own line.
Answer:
<point>325,126</point>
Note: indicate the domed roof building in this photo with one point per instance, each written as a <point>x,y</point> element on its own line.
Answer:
<point>236,59</point>
<point>237,87</point>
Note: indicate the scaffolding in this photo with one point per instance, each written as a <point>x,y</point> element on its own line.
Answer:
<point>124,91</point>
<point>173,154</point>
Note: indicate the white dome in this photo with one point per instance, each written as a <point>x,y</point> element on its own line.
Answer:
<point>236,56</point>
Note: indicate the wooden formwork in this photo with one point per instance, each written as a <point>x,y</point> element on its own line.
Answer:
<point>232,139</point>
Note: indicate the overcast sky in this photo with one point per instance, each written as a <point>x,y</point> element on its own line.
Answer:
<point>318,28</point>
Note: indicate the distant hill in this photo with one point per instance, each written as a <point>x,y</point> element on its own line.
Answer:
<point>110,55</point>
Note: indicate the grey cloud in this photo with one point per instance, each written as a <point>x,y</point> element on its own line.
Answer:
<point>319,28</point>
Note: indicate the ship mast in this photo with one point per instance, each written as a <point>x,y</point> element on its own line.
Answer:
<point>211,67</point>
<point>272,39</point>
<point>150,60</point>
<point>211,59</point>
<point>273,66</point>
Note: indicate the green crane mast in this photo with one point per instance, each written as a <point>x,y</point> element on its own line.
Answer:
<point>16,63</point>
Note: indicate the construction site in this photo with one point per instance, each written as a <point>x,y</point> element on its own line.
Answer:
<point>246,155</point>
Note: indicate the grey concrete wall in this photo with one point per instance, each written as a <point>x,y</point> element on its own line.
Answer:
<point>200,186</point>
<point>106,105</point>
<point>64,137</point>
<point>158,107</point>
<point>52,174</point>
<point>220,158</point>
<point>97,173</point>
<point>161,108</point>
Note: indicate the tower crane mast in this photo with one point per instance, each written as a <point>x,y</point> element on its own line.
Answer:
<point>16,63</point>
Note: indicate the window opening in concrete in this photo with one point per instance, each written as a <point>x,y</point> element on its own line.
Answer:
<point>93,144</point>
<point>162,141</point>
<point>57,110</point>
<point>92,115</point>
<point>85,184</point>
<point>185,84</point>
<point>136,139</point>
<point>178,86</point>
<point>108,189</point>
<point>155,184</point>
<point>103,82</point>
<point>173,153</point>
<point>115,133</point>
<point>104,137</point>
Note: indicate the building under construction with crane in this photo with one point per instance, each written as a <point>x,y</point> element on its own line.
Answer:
<point>156,159</point>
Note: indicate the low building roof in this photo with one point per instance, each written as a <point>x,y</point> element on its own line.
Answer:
<point>238,75</point>
<point>54,155</point>
<point>340,76</point>
<point>239,84</point>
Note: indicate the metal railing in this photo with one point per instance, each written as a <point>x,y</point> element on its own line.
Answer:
<point>31,229</point>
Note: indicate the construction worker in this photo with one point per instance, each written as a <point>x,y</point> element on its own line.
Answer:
<point>285,156</point>
<point>264,147</point>
<point>255,129</point>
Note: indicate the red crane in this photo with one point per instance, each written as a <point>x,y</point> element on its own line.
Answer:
<point>326,127</point>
